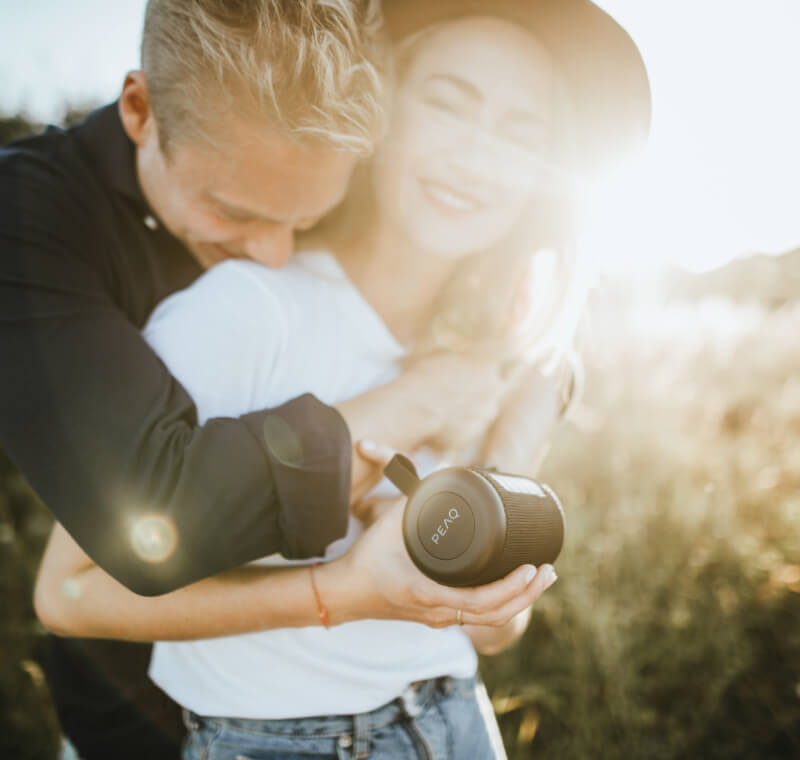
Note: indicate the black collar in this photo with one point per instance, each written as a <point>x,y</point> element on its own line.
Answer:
<point>109,149</point>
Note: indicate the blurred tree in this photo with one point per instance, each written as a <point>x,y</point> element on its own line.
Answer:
<point>14,127</point>
<point>28,724</point>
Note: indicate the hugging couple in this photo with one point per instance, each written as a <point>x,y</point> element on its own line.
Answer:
<point>305,227</point>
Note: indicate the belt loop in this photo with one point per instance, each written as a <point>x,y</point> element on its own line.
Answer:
<point>361,730</point>
<point>409,702</point>
<point>190,720</point>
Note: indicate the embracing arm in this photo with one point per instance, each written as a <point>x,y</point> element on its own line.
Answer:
<point>440,395</point>
<point>105,433</point>
<point>519,438</point>
<point>75,597</point>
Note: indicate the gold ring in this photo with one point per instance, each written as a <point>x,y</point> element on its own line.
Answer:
<point>459,617</point>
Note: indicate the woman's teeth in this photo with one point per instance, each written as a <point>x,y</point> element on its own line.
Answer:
<point>449,198</point>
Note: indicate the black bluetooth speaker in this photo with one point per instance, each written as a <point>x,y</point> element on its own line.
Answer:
<point>466,526</point>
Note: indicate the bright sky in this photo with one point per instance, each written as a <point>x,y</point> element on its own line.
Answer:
<point>721,177</point>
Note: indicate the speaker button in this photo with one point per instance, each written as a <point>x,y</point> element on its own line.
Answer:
<point>446,525</point>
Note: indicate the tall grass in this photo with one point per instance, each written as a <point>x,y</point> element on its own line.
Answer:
<point>674,628</point>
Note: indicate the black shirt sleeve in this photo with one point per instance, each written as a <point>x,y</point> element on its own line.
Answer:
<point>107,437</point>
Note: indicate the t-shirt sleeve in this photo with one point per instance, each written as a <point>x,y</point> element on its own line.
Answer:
<point>224,339</point>
<point>110,439</point>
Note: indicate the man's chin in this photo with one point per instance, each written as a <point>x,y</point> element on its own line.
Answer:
<point>209,254</point>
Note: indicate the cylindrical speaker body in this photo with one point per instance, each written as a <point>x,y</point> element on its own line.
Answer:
<point>466,526</point>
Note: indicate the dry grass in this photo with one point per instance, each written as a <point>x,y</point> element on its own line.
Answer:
<point>674,629</point>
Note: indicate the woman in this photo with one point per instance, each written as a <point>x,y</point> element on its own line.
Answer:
<point>468,198</point>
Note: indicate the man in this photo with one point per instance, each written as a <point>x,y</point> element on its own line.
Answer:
<point>242,126</point>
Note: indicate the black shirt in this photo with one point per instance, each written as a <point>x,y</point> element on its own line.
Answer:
<point>90,414</point>
<point>105,435</point>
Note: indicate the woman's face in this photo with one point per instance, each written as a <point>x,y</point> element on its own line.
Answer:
<point>472,120</point>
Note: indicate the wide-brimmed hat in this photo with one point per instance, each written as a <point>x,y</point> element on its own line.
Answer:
<point>602,68</point>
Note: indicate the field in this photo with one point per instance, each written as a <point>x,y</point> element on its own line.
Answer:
<point>674,628</point>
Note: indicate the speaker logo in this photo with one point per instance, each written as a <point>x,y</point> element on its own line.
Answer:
<point>444,525</point>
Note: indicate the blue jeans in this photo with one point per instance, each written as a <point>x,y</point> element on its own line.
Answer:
<point>438,719</point>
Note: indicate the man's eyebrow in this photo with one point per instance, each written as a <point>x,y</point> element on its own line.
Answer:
<point>238,210</point>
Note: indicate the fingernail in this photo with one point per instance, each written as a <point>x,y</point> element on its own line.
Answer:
<point>550,577</point>
<point>368,445</point>
<point>530,575</point>
<point>382,452</point>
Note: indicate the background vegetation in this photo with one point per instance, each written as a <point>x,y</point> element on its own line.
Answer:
<point>674,629</point>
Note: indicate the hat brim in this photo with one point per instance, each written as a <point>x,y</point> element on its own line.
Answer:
<point>602,68</point>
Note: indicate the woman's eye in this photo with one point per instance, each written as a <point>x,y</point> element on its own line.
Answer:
<point>530,140</point>
<point>445,105</point>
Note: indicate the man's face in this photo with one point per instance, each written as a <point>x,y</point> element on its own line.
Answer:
<point>243,196</point>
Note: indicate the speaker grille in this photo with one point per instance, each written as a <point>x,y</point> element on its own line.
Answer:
<point>534,527</point>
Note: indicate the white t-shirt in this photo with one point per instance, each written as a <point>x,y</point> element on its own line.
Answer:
<point>242,338</point>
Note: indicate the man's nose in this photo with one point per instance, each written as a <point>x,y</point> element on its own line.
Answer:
<point>271,247</point>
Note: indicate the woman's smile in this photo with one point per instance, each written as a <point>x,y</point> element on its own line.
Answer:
<point>450,201</point>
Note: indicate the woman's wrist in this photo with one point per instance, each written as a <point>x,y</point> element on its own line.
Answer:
<point>489,640</point>
<point>339,592</point>
<point>414,419</point>
<point>394,415</point>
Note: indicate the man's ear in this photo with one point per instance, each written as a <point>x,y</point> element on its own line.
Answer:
<point>135,109</point>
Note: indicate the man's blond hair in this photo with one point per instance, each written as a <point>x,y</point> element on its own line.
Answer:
<point>311,68</point>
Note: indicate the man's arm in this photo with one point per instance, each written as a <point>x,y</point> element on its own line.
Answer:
<point>106,435</point>
<point>108,438</point>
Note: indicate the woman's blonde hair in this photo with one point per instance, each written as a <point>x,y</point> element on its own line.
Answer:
<point>312,68</point>
<point>523,296</point>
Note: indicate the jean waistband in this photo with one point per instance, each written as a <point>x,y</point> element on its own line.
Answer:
<point>410,703</point>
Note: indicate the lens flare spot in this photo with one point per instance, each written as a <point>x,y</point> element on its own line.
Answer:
<point>154,538</point>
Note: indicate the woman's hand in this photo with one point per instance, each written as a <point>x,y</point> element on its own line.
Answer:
<point>461,392</point>
<point>377,579</point>
<point>518,439</point>
<point>442,399</point>
<point>369,509</point>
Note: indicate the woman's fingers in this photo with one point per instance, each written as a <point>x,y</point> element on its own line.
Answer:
<point>398,590</point>
<point>545,578</point>
<point>370,510</point>
<point>479,599</point>
<point>495,603</point>
<point>375,453</point>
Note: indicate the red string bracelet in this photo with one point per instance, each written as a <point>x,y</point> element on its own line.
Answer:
<point>321,609</point>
